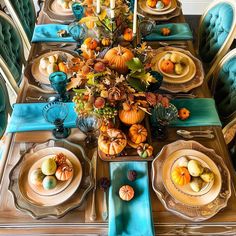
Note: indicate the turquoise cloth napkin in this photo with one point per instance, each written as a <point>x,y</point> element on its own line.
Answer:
<point>48,33</point>
<point>179,31</point>
<point>29,117</point>
<point>133,217</point>
<point>203,112</point>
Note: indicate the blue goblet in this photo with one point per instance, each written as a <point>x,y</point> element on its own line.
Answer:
<point>56,113</point>
<point>78,10</point>
<point>161,118</point>
<point>78,32</point>
<point>58,82</point>
<point>89,125</point>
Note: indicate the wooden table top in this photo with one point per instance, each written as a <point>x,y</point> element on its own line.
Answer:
<point>77,221</point>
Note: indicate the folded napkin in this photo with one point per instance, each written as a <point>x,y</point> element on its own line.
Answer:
<point>133,217</point>
<point>29,117</point>
<point>203,112</point>
<point>48,33</point>
<point>179,31</point>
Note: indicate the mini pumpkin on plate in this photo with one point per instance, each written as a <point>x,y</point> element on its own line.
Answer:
<point>112,141</point>
<point>126,193</point>
<point>180,175</point>
<point>64,172</point>
<point>138,133</point>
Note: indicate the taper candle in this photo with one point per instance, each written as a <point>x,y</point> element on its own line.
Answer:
<point>98,10</point>
<point>135,17</point>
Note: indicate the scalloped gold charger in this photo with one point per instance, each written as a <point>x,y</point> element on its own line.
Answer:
<point>192,80</point>
<point>51,200</point>
<point>205,208</point>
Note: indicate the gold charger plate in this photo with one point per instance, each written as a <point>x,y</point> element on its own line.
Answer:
<point>184,193</point>
<point>160,10</point>
<point>61,185</point>
<point>196,80</point>
<point>49,200</point>
<point>208,207</point>
<point>56,13</point>
<point>41,75</point>
<point>187,75</point>
<point>148,10</point>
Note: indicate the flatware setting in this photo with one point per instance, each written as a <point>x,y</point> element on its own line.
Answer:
<point>196,134</point>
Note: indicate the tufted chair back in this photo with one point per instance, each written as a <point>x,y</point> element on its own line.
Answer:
<point>217,31</point>
<point>224,86</point>
<point>11,52</point>
<point>24,16</point>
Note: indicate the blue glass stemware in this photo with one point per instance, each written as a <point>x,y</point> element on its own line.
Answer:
<point>58,82</point>
<point>161,117</point>
<point>55,113</point>
<point>78,32</point>
<point>78,10</point>
<point>89,125</point>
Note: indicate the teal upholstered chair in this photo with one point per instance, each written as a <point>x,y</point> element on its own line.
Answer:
<point>11,53</point>
<point>24,16</point>
<point>217,30</point>
<point>224,86</point>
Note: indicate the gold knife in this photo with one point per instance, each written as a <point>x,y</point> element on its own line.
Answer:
<point>93,214</point>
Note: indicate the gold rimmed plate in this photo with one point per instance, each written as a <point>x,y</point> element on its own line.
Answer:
<point>151,11</point>
<point>182,201</point>
<point>184,194</point>
<point>49,200</point>
<point>41,75</point>
<point>60,186</point>
<point>189,70</point>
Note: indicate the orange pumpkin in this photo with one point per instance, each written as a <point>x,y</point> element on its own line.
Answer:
<point>166,2</point>
<point>63,67</point>
<point>106,124</point>
<point>128,34</point>
<point>112,141</point>
<point>117,58</point>
<point>167,66</point>
<point>131,114</point>
<point>144,150</point>
<point>180,175</point>
<point>165,31</point>
<point>152,3</point>
<point>137,133</point>
<point>91,43</point>
<point>126,193</point>
<point>64,172</point>
<point>183,114</point>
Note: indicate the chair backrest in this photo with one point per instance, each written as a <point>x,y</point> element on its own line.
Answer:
<point>24,16</point>
<point>217,30</point>
<point>11,52</point>
<point>5,107</point>
<point>224,86</point>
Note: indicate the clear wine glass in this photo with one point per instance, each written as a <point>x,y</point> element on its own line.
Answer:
<point>89,125</point>
<point>146,27</point>
<point>162,117</point>
<point>56,113</point>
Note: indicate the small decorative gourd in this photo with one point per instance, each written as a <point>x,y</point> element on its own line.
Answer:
<point>64,172</point>
<point>167,66</point>
<point>126,193</point>
<point>112,141</point>
<point>106,42</point>
<point>144,150</point>
<point>183,114</point>
<point>165,31</point>
<point>128,34</point>
<point>152,3</point>
<point>91,43</point>
<point>137,133</point>
<point>180,176</point>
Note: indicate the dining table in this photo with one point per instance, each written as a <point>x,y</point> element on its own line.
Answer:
<point>77,221</point>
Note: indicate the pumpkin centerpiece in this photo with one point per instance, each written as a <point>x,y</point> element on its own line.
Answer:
<point>112,141</point>
<point>117,57</point>
<point>131,114</point>
<point>137,133</point>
